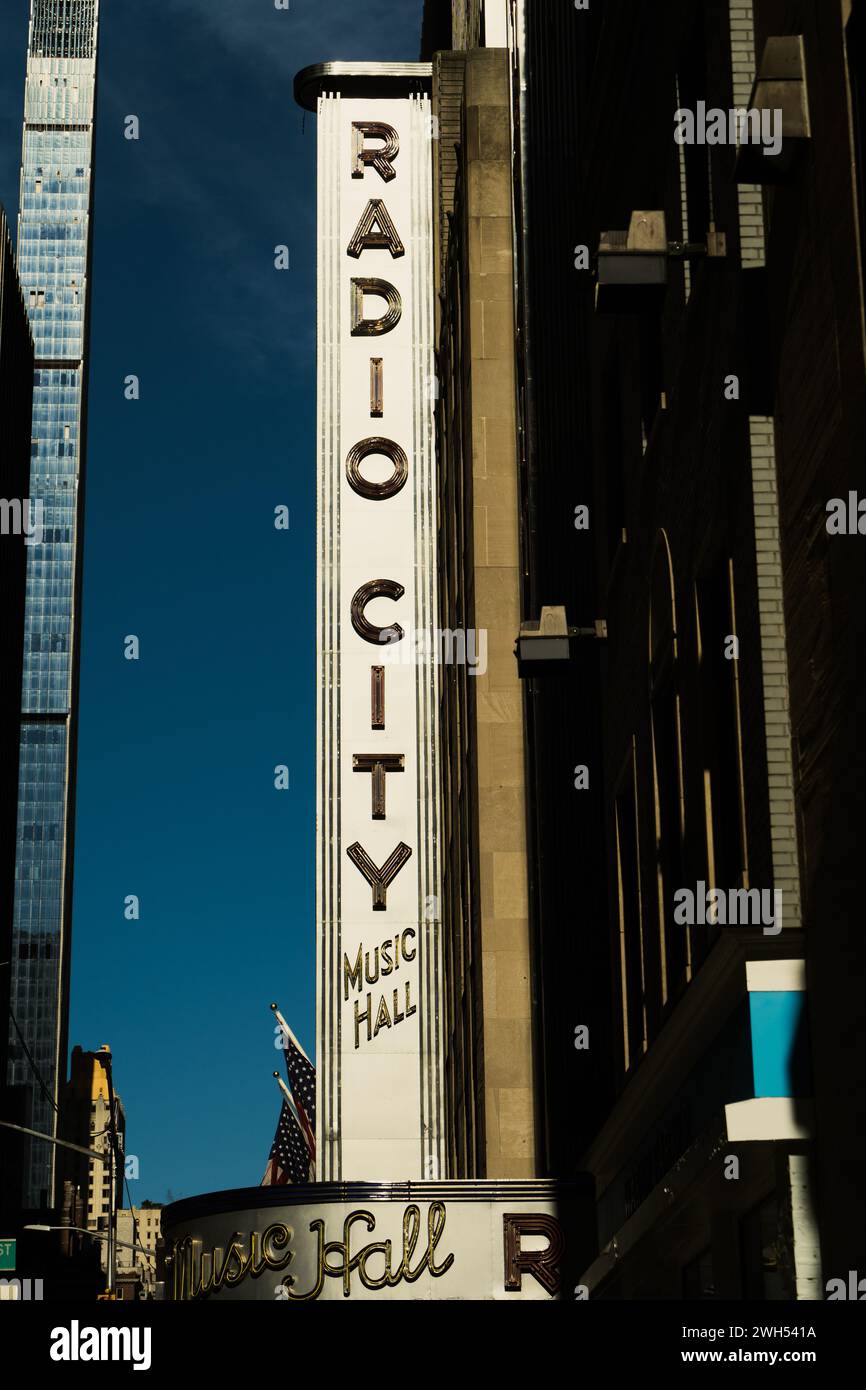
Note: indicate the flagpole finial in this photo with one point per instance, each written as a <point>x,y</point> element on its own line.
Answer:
<point>274,1007</point>
<point>277,1075</point>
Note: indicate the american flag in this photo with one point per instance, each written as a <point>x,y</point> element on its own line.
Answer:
<point>289,1159</point>
<point>302,1084</point>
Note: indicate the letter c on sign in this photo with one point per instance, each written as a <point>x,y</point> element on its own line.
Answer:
<point>376,588</point>
<point>377,492</point>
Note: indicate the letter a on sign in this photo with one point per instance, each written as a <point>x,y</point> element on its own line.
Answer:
<point>376,231</point>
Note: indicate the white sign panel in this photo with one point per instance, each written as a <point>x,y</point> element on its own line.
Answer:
<point>445,1241</point>
<point>379,1070</point>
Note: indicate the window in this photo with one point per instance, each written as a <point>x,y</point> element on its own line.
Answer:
<point>675,939</point>
<point>719,714</point>
<point>760,1252</point>
<point>692,88</point>
<point>632,968</point>
<point>695,164</point>
<point>613,462</point>
<point>855,42</point>
<point>698,1277</point>
<point>651,346</point>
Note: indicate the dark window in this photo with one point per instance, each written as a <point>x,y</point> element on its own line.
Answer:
<point>630,920</point>
<point>613,463</point>
<point>698,1277</point>
<point>719,716</point>
<point>760,1252</point>
<point>692,81</point>
<point>855,35</point>
<point>667,770</point>
<point>651,369</point>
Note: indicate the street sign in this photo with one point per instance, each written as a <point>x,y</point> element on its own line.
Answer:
<point>7,1254</point>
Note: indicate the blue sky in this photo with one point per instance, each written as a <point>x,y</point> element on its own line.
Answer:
<point>176,798</point>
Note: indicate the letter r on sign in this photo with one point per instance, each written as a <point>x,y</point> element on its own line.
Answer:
<point>543,1265</point>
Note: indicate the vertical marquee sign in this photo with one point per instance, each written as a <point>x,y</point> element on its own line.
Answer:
<point>379,948</point>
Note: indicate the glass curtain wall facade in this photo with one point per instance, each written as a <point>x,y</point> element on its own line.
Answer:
<point>53,259</point>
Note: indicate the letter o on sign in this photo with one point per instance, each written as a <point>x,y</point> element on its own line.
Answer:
<point>377,492</point>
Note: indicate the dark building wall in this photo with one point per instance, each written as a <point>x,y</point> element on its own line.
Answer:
<point>464,1052</point>
<point>16,398</point>
<point>552,726</point>
<point>744,772</point>
<point>816,349</point>
<point>436,28</point>
<point>686,771</point>
<point>490,1102</point>
<point>564,825</point>
<point>697,757</point>
<point>674,524</point>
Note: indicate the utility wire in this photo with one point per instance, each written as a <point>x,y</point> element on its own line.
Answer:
<point>48,1096</point>
<point>110,1128</point>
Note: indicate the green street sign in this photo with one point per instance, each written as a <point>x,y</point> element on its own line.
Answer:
<point>7,1254</point>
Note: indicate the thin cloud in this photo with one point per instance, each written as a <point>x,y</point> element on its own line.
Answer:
<point>237,208</point>
<point>312,30</point>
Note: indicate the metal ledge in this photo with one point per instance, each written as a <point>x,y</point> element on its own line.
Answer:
<point>361,79</point>
<point>245,1199</point>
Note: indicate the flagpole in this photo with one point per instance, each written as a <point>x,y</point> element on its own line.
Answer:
<point>289,1099</point>
<point>287,1030</point>
<point>288,1095</point>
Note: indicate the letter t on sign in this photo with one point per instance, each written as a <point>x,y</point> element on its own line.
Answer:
<point>378,764</point>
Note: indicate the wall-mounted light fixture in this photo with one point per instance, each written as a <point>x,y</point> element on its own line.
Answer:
<point>632,274</point>
<point>548,646</point>
<point>780,87</point>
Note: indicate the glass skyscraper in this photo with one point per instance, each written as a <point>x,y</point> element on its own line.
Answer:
<point>53,261</point>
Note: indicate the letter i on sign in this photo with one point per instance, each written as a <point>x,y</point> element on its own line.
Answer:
<point>377,697</point>
<point>377,388</point>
